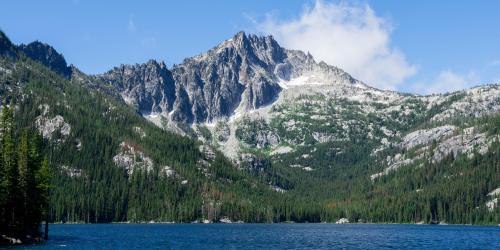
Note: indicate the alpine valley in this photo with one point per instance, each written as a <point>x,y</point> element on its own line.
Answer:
<point>252,132</point>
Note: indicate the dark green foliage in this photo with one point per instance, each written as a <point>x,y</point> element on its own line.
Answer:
<point>453,191</point>
<point>24,181</point>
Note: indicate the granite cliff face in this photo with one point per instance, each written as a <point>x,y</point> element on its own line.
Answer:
<point>241,74</point>
<point>149,87</point>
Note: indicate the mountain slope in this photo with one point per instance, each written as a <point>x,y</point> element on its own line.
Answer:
<point>306,141</point>
<point>111,164</point>
<point>305,125</point>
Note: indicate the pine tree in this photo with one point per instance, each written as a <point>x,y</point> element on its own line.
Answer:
<point>43,186</point>
<point>24,181</point>
<point>10,169</point>
<point>3,189</point>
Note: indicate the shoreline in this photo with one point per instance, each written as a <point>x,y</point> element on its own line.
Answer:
<point>266,223</point>
<point>6,240</point>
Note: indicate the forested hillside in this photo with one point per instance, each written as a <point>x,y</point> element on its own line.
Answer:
<point>121,146</point>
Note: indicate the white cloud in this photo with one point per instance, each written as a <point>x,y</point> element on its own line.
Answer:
<point>447,81</point>
<point>349,36</point>
<point>131,24</point>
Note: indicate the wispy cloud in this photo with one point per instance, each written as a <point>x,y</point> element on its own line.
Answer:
<point>149,42</point>
<point>131,24</point>
<point>349,36</point>
<point>495,63</point>
<point>447,81</point>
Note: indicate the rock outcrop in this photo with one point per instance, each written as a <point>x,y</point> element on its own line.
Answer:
<point>149,87</point>
<point>48,56</point>
<point>132,159</point>
<point>426,136</point>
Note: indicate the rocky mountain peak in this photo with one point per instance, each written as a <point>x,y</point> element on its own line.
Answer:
<point>6,46</point>
<point>148,86</point>
<point>48,56</point>
<point>243,73</point>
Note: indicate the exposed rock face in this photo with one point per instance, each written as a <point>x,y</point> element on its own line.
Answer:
<point>278,189</point>
<point>281,150</point>
<point>243,73</point>
<point>492,204</point>
<point>494,192</point>
<point>323,137</point>
<point>132,159</point>
<point>394,163</point>
<point>237,73</point>
<point>149,87</point>
<point>167,171</point>
<point>342,221</point>
<point>48,126</point>
<point>48,56</point>
<point>463,143</point>
<point>425,136</point>
<point>71,172</point>
<point>475,102</point>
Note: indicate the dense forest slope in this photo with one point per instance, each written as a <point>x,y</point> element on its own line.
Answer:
<point>251,131</point>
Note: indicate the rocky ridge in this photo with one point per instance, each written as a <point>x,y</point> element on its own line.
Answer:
<point>250,93</point>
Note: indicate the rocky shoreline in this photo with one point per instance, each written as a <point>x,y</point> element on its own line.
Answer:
<point>6,240</point>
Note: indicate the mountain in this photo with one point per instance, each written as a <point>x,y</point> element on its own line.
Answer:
<point>293,139</point>
<point>278,111</point>
<point>111,164</point>
<point>48,56</point>
<point>243,73</point>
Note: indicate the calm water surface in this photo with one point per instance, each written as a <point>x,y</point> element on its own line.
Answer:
<point>269,236</point>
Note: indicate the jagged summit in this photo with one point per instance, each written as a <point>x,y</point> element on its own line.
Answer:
<point>149,86</point>
<point>243,73</point>
<point>48,56</point>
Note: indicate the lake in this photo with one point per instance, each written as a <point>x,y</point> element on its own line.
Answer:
<point>269,236</point>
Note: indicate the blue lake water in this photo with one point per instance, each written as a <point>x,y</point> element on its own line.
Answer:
<point>269,236</point>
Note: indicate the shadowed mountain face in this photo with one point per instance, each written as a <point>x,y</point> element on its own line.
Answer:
<point>48,56</point>
<point>241,74</point>
<point>149,87</point>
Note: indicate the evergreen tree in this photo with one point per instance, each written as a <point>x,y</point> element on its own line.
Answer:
<point>43,180</point>
<point>24,180</point>
<point>10,169</point>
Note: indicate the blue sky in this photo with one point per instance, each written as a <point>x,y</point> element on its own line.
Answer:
<point>420,46</point>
